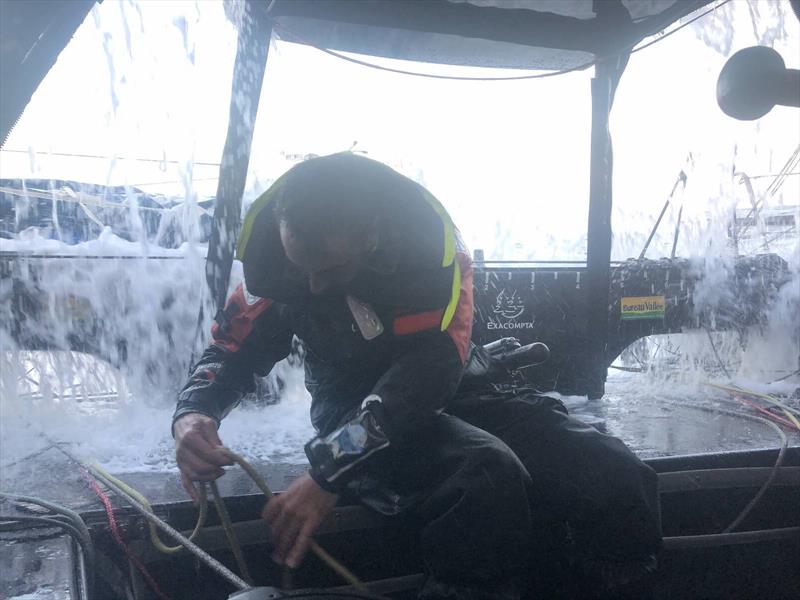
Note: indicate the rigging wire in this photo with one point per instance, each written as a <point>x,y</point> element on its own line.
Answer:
<point>775,237</point>
<point>719,359</point>
<point>790,165</point>
<point>785,377</point>
<point>778,180</point>
<point>764,176</point>
<point>121,158</point>
<point>669,33</point>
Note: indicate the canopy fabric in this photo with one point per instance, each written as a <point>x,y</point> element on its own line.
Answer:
<point>579,9</point>
<point>435,48</point>
<point>517,34</point>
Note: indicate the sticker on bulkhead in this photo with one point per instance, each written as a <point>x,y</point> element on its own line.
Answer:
<point>643,307</point>
<point>508,311</point>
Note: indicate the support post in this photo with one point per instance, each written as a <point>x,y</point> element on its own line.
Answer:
<point>598,242</point>
<point>252,49</point>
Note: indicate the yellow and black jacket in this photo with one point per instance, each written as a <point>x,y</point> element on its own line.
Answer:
<point>367,393</point>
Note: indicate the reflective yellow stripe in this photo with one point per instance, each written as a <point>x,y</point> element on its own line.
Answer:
<point>250,217</point>
<point>448,257</point>
<point>454,297</point>
<point>449,254</point>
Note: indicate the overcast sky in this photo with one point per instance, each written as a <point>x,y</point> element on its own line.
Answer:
<point>509,159</point>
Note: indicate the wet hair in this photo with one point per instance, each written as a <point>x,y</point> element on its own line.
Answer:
<point>339,194</point>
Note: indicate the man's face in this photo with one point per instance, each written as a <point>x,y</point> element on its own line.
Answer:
<point>333,266</point>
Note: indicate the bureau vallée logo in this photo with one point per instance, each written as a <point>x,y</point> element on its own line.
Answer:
<point>509,309</point>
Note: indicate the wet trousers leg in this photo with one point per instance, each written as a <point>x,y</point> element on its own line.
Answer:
<point>578,473</point>
<point>605,497</point>
<point>491,486</point>
<point>465,493</point>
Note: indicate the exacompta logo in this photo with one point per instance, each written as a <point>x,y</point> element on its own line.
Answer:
<point>643,307</point>
<point>508,308</point>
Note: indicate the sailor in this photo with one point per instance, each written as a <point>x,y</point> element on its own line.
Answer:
<point>366,269</point>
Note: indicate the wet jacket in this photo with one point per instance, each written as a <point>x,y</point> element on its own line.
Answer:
<point>381,356</point>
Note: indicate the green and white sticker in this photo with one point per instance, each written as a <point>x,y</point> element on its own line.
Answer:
<point>643,307</point>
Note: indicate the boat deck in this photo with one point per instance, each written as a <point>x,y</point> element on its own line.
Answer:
<point>661,429</point>
<point>669,433</point>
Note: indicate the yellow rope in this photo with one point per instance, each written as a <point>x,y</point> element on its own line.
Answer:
<point>787,410</point>
<point>227,526</point>
<point>323,555</point>
<point>154,537</point>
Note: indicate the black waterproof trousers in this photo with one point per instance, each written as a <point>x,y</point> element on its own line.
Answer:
<point>504,484</point>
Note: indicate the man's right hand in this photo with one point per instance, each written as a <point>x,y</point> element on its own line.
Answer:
<point>198,451</point>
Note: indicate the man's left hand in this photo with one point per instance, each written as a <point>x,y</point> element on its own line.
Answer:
<point>294,516</point>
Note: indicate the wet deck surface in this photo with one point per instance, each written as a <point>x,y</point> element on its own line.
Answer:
<point>668,426</point>
<point>654,426</point>
<point>657,426</point>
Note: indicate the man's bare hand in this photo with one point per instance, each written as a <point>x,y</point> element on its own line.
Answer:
<point>294,516</point>
<point>198,451</point>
